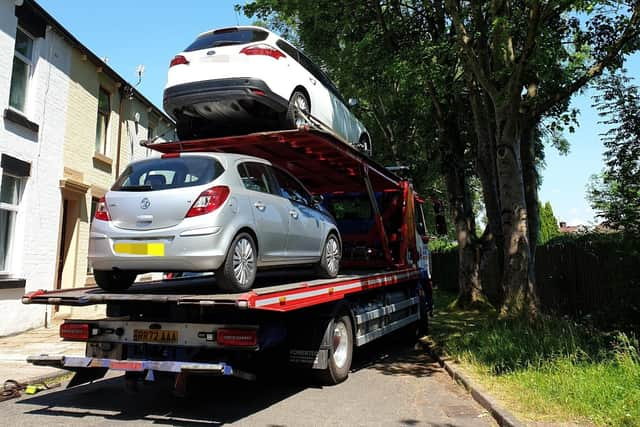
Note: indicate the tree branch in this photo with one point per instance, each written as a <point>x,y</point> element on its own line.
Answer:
<point>632,30</point>
<point>465,42</point>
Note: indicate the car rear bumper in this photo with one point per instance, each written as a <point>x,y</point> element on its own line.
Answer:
<point>203,252</point>
<point>214,91</point>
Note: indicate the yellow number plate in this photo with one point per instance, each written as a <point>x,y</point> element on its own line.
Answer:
<point>155,335</point>
<point>154,249</point>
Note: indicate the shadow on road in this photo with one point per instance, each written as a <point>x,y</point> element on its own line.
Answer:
<point>393,355</point>
<point>215,400</point>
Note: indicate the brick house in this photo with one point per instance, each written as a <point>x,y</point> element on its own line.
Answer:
<point>70,124</point>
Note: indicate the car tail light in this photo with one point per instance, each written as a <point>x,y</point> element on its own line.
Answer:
<point>102,213</point>
<point>170,155</point>
<point>209,200</point>
<point>263,49</point>
<point>74,331</point>
<point>178,60</point>
<point>237,337</point>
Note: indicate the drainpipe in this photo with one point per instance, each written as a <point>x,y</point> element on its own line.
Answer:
<point>125,92</point>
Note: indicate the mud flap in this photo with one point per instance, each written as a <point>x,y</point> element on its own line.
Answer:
<point>309,344</point>
<point>85,375</point>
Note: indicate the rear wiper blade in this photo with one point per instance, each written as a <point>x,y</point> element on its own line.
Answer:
<point>136,188</point>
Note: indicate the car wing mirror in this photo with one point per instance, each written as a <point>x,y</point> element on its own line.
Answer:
<point>353,102</point>
<point>317,199</point>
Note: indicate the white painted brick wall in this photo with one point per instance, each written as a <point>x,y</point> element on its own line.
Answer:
<point>33,255</point>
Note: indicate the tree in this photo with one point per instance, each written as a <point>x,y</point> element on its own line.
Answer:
<point>615,194</point>
<point>548,224</point>
<point>524,61</point>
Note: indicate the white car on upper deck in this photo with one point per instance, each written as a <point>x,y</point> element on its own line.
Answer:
<point>247,79</point>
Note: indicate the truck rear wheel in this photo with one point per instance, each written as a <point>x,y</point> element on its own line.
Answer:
<point>114,280</point>
<point>340,352</point>
<point>239,268</point>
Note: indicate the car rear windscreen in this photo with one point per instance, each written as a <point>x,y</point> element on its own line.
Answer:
<point>162,174</point>
<point>227,37</point>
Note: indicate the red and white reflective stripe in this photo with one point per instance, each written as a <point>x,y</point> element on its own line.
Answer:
<point>329,291</point>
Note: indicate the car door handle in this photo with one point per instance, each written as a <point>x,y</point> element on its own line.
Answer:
<point>312,80</point>
<point>259,205</point>
<point>293,214</point>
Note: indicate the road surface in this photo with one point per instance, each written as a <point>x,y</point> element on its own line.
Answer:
<point>390,384</point>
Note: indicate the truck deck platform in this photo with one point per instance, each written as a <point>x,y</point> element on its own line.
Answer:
<point>274,291</point>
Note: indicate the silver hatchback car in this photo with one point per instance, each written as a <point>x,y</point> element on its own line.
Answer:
<point>221,212</point>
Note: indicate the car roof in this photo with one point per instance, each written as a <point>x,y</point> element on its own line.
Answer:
<point>238,27</point>
<point>227,157</point>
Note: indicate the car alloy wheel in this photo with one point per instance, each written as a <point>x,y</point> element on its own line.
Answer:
<point>243,261</point>
<point>332,256</point>
<point>298,103</point>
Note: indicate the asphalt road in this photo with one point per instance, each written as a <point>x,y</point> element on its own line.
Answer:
<point>390,384</point>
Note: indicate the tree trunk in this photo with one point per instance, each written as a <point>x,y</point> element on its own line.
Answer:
<point>520,297</point>
<point>492,238</point>
<point>460,201</point>
<point>530,176</point>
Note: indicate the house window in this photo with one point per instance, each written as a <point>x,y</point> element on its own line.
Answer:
<point>22,64</point>
<point>150,135</point>
<point>10,193</point>
<point>104,108</point>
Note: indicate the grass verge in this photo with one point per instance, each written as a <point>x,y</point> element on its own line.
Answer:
<point>554,369</point>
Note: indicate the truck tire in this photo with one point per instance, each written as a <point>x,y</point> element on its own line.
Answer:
<point>329,265</point>
<point>340,352</point>
<point>238,271</point>
<point>114,280</point>
<point>298,101</point>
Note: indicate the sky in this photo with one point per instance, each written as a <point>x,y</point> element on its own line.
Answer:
<point>148,32</point>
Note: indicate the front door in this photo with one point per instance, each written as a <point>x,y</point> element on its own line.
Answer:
<point>270,214</point>
<point>305,227</point>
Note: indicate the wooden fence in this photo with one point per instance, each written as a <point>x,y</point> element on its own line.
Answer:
<point>573,279</point>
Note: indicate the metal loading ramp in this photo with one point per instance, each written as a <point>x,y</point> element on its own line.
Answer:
<point>320,159</point>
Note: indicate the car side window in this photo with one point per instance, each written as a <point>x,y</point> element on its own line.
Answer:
<point>291,188</point>
<point>255,177</point>
<point>288,49</point>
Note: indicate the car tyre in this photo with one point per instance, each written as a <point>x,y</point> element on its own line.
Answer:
<point>340,351</point>
<point>238,271</point>
<point>298,101</point>
<point>114,280</point>
<point>329,264</point>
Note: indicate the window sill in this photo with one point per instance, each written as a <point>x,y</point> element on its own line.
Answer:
<point>18,118</point>
<point>102,160</point>
<point>11,283</point>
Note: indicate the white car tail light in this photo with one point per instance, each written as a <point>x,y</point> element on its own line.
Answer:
<point>209,200</point>
<point>264,50</point>
<point>102,213</point>
<point>178,60</point>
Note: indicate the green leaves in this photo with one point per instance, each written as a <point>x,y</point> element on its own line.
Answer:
<point>615,194</point>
